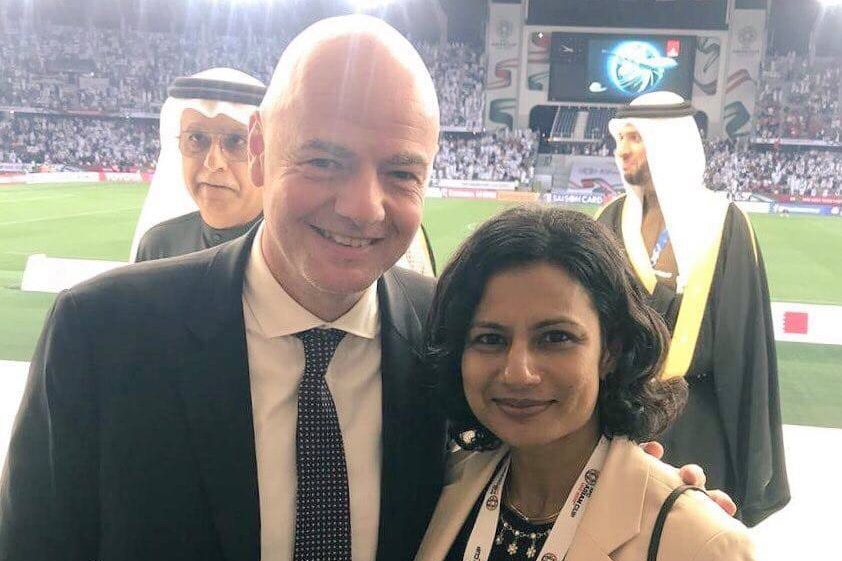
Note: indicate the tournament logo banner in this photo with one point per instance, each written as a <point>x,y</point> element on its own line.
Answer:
<point>746,48</point>
<point>505,27</point>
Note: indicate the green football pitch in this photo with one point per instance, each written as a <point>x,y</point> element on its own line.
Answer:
<point>97,221</point>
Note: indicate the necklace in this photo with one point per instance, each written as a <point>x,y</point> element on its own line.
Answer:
<point>497,525</point>
<point>512,548</point>
<point>528,519</point>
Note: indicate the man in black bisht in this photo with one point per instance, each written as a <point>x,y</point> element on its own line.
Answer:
<point>201,195</point>
<point>698,258</point>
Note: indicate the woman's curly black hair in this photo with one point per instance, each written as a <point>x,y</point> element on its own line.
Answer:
<point>633,400</point>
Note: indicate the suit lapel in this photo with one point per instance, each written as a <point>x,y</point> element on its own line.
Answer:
<point>409,468</point>
<point>586,548</point>
<point>213,380</point>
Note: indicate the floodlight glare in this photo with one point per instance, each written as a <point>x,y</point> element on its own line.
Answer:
<point>363,5</point>
<point>830,3</point>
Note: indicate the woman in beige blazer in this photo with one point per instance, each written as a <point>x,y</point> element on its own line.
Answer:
<point>547,359</point>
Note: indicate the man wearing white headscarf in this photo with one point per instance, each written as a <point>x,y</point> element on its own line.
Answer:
<point>697,257</point>
<point>201,194</point>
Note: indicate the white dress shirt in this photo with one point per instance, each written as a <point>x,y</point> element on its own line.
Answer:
<point>276,365</point>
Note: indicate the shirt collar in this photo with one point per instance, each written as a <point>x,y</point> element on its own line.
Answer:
<point>278,314</point>
<point>215,236</point>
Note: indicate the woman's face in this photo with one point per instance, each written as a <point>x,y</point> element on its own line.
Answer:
<point>533,356</point>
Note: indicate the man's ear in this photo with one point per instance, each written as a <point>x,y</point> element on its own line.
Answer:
<point>256,148</point>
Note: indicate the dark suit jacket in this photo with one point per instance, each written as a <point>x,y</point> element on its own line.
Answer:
<point>135,440</point>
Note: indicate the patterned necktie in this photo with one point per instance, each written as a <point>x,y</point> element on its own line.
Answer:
<point>322,512</point>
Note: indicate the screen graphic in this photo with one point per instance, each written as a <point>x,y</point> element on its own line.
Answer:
<point>630,67</point>
<point>616,69</point>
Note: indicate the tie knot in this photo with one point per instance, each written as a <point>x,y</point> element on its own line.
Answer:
<point>317,337</point>
<point>319,346</point>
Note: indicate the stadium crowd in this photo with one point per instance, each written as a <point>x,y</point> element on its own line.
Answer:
<point>501,156</point>
<point>81,142</point>
<point>127,71</point>
<point>797,99</point>
<point>459,73</point>
<point>53,67</point>
<point>808,172</point>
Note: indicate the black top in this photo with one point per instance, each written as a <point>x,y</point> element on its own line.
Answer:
<point>506,546</point>
<point>186,234</point>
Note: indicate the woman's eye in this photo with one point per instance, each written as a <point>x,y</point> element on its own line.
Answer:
<point>556,337</point>
<point>488,339</point>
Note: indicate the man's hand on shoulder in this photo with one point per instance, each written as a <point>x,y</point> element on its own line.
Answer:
<point>691,474</point>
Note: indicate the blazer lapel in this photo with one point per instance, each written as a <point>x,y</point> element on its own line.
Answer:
<point>611,520</point>
<point>456,502</point>
<point>586,548</point>
<point>213,380</point>
<point>413,442</point>
<point>614,516</point>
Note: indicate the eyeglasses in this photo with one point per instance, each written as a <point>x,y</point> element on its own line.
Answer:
<point>196,144</point>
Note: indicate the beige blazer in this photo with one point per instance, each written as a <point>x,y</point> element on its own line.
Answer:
<point>618,522</point>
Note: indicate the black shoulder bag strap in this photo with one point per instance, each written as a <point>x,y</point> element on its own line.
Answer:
<point>655,540</point>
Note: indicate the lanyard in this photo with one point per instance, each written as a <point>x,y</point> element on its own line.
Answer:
<point>561,536</point>
<point>663,238</point>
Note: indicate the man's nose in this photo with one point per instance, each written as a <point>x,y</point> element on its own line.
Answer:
<point>621,150</point>
<point>361,198</point>
<point>520,369</point>
<point>214,159</point>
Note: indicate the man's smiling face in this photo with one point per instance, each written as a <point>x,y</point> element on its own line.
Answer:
<point>345,163</point>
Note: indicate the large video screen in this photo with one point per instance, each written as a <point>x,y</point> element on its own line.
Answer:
<point>598,68</point>
<point>649,14</point>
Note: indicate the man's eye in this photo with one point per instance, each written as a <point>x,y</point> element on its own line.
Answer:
<point>324,164</point>
<point>405,176</point>
<point>198,139</point>
<point>234,142</point>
